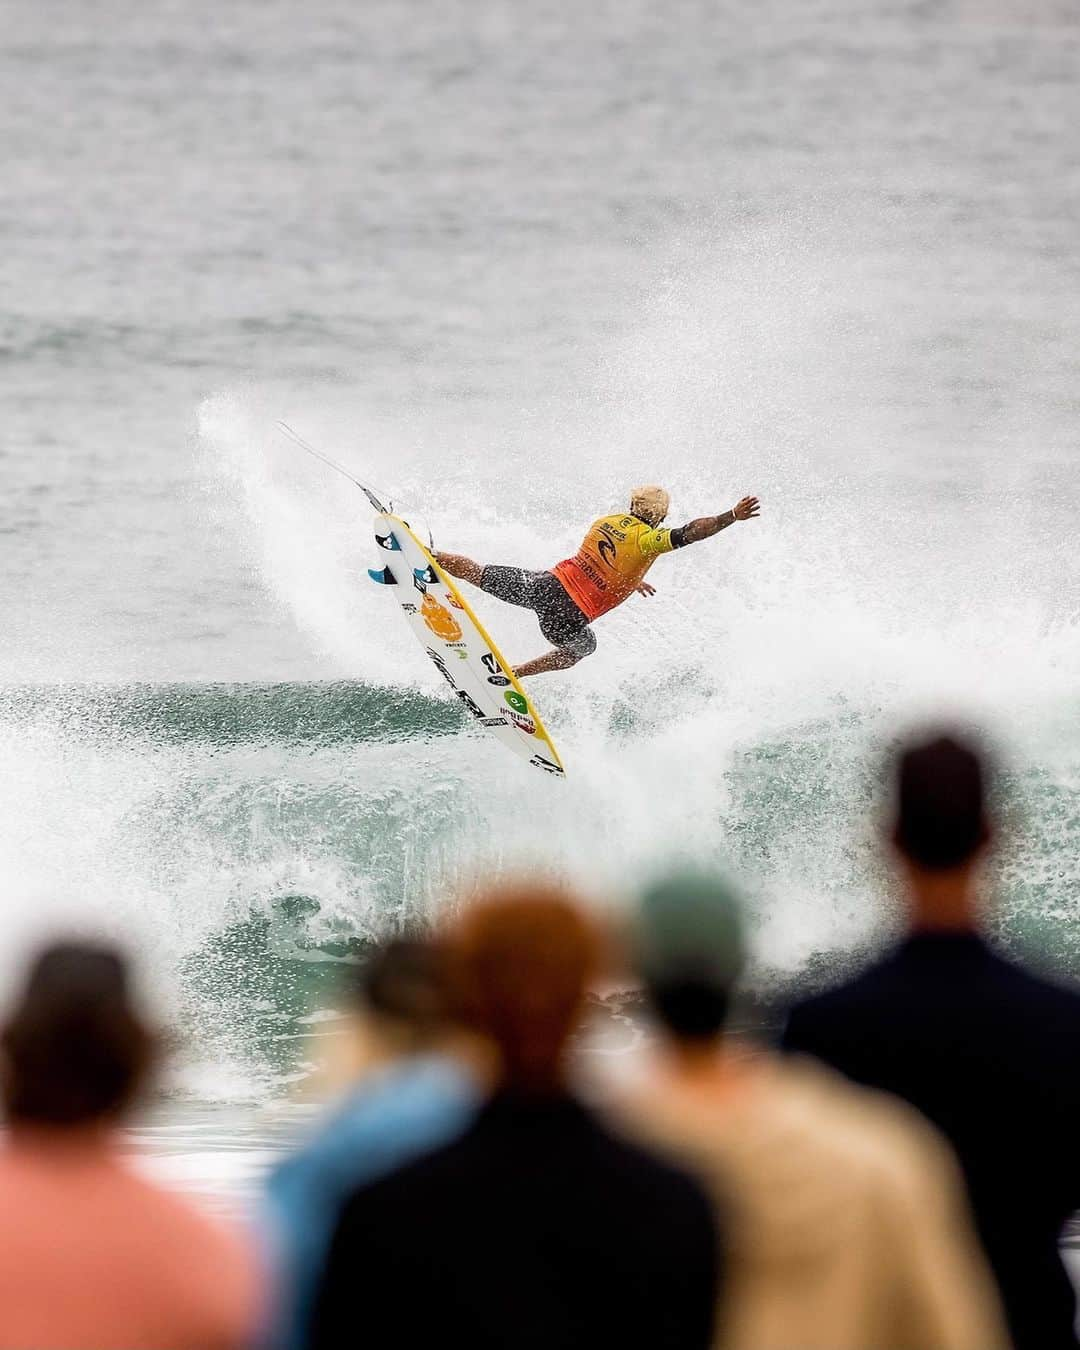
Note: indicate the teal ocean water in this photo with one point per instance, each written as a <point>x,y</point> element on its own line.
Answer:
<point>506,263</point>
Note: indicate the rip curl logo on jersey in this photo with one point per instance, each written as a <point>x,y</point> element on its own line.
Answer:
<point>439,619</point>
<point>606,546</point>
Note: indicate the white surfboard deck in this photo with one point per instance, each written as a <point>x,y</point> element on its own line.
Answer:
<point>456,642</point>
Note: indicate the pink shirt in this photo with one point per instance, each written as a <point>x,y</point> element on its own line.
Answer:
<point>94,1257</point>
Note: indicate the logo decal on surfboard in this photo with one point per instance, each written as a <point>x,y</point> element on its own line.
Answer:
<point>439,619</point>
<point>472,705</point>
<point>441,667</point>
<point>463,653</point>
<point>481,665</point>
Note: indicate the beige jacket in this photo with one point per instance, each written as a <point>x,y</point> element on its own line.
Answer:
<point>844,1222</point>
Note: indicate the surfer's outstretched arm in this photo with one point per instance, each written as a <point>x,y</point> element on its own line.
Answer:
<point>706,526</point>
<point>459,566</point>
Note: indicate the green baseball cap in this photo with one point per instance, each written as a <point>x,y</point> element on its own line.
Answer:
<point>690,926</point>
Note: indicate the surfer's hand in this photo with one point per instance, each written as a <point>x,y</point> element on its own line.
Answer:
<point>646,589</point>
<point>745,509</point>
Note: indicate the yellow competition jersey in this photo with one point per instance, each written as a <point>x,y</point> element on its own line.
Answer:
<point>611,562</point>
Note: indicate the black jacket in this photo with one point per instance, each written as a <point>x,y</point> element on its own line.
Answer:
<point>536,1230</point>
<point>991,1055</point>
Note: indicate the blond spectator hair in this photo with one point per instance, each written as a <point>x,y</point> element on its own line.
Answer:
<point>650,503</point>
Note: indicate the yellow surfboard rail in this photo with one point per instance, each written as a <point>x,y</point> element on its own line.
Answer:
<point>448,581</point>
<point>385,513</point>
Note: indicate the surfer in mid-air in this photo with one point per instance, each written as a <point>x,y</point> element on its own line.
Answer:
<point>607,569</point>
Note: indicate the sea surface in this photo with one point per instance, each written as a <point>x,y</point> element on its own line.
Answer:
<point>506,261</point>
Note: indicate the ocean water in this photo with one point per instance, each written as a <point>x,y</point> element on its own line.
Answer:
<point>506,261</point>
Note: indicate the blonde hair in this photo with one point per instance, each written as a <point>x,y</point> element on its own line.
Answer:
<point>650,503</point>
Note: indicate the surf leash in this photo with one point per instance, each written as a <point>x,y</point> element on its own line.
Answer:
<point>297,439</point>
<point>287,430</point>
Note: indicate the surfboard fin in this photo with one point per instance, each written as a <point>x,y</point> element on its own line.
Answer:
<point>383,576</point>
<point>388,542</point>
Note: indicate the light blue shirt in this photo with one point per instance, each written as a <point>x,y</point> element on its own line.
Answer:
<point>392,1117</point>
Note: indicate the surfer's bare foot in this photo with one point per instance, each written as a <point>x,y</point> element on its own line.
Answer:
<point>459,566</point>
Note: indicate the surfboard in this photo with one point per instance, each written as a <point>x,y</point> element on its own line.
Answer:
<point>454,638</point>
<point>459,646</point>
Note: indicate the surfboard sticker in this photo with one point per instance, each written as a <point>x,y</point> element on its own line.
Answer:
<point>459,647</point>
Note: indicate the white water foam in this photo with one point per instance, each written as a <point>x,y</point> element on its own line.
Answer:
<point>905,566</point>
<point>908,562</point>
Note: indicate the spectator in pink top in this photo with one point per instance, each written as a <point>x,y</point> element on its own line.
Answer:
<point>92,1256</point>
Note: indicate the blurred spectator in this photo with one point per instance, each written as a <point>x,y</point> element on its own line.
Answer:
<point>538,1229</point>
<point>987,1051</point>
<point>91,1254</point>
<point>847,1227</point>
<point>413,1093</point>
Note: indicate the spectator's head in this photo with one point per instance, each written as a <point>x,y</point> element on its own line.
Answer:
<point>690,952</point>
<point>521,959</point>
<point>942,825</point>
<point>650,504</point>
<point>75,1051</point>
<point>401,994</point>
<point>941,816</point>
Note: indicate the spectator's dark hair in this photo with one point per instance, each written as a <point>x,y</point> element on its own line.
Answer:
<point>404,981</point>
<point>74,1049</point>
<point>690,1009</point>
<point>941,814</point>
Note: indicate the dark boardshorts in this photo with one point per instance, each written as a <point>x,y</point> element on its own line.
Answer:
<point>561,622</point>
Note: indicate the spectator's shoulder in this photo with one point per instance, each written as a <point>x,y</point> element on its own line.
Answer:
<point>182,1226</point>
<point>645,1170</point>
<point>1039,989</point>
<point>839,1001</point>
<point>390,1118</point>
<point>426,1171</point>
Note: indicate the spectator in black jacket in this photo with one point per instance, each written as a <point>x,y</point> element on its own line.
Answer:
<point>538,1229</point>
<point>989,1052</point>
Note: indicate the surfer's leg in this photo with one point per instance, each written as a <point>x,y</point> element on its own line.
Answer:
<point>559,659</point>
<point>568,653</point>
<point>459,566</point>
<point>512,585</point>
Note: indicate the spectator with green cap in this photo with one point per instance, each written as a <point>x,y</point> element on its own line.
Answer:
<point>845,1223</point>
